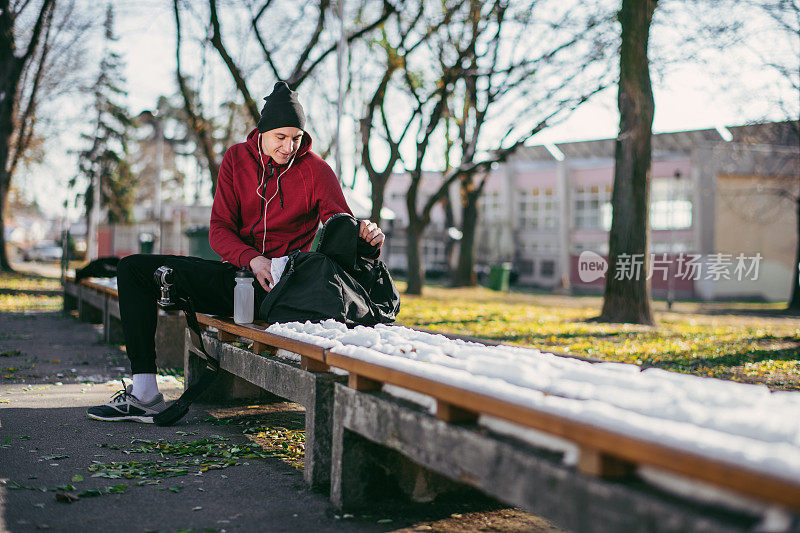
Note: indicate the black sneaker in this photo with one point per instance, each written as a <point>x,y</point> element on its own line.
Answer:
<point>126,406</point>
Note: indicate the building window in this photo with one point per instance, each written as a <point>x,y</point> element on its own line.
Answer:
<point>670,203</point>
<point>670,247</point>
<point>596,247</point>
<point>547,268</point>
<point>433,251</point>
<point>526,267</point>
<point>537,208</point>
<point>490,206</point>
<point>592,207</point>
<point>397,198</point>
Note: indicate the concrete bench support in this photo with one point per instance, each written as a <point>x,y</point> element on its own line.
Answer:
<point>112,325</point>
<point>508,470</point>
<point>170,338</point>
<point>91,305</point>
<point>71,295</point>
<point>312,390</point>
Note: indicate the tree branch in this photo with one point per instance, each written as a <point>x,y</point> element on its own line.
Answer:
<point>26,120</point>
<point>45,12</point>
<point>388,9</point>
<point>267,53</point>
<point>197,123</point>
<point>312,42</point>
<point>241,84</point>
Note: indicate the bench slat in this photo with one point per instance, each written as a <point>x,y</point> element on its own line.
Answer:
<point>256,333</point>
<point>99,288</point>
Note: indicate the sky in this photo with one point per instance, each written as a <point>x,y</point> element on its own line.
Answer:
<point>688,96</point>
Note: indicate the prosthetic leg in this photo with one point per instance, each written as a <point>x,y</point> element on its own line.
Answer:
<point>172,299</point>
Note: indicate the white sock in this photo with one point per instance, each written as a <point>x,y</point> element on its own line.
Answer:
<point>145,387</point>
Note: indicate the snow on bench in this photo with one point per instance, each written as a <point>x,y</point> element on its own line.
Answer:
<point>738,436</point>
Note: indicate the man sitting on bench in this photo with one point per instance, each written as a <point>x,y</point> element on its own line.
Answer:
<point>272,194</point>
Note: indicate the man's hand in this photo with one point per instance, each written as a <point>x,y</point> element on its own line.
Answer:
<point>370,232</point>
<point>261,267</point>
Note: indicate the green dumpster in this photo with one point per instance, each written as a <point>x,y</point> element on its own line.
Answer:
<point>198,243</point>
<point>499,276</point>
<point>146,242</point>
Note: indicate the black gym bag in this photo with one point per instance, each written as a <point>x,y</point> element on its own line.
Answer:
<point>337,281</point>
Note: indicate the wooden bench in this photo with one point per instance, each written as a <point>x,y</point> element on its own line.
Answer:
<point>350,427</point>
<point>600,493</point>
<point>97,301</point>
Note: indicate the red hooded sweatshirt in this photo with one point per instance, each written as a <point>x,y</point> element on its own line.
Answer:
<point>242,227</point>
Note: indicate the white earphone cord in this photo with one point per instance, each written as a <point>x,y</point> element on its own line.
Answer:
<point>261,183</point>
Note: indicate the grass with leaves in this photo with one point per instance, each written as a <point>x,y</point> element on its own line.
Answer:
<point>748,342</point>
<point>21,293</point>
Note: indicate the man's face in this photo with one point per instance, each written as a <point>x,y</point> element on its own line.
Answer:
<point>281,143</point>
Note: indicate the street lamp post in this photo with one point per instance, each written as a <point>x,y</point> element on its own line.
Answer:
<point>153,118</point>
<point>341,52</point>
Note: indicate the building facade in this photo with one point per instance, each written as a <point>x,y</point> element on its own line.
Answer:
<point>723,214</point>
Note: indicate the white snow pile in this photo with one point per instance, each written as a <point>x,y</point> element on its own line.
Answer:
<point>743,424</point>
<point>111,283</point>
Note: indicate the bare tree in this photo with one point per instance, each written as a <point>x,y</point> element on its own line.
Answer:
<point>476,74</point>
<point>40,61</point>
<point>627,291</point>
<point>294,51</point>
<point>553,81</point>
<point>411,34</point>
<point>773,181</point>
<point>785,14</point>
<point>305,60</point>
<point>201,127</point>
<point>18,105</point>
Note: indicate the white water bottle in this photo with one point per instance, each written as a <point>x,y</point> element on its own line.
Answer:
<point>243,298</point>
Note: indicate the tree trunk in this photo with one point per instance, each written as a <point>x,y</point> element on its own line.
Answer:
<point>9,78</point>
<point>465,271</point>
<point>794,301</point>
<point>627,291</point>
<point>378,183</point>
<point>5,265</point>
<point>415,271</point>
<point>7,95</point>
<point>12,66</point>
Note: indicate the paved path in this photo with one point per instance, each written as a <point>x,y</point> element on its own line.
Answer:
<point>53,367</point>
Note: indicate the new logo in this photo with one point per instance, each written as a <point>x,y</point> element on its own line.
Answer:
<point>591,266</point>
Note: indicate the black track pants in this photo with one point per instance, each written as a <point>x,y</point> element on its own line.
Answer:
<point>209,284</point>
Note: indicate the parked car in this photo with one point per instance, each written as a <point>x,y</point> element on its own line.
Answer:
<point>45,251</point>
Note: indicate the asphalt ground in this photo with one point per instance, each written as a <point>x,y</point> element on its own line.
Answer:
<point>61,471</point>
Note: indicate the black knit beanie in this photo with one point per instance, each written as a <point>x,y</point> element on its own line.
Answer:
<point>281,109</point>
